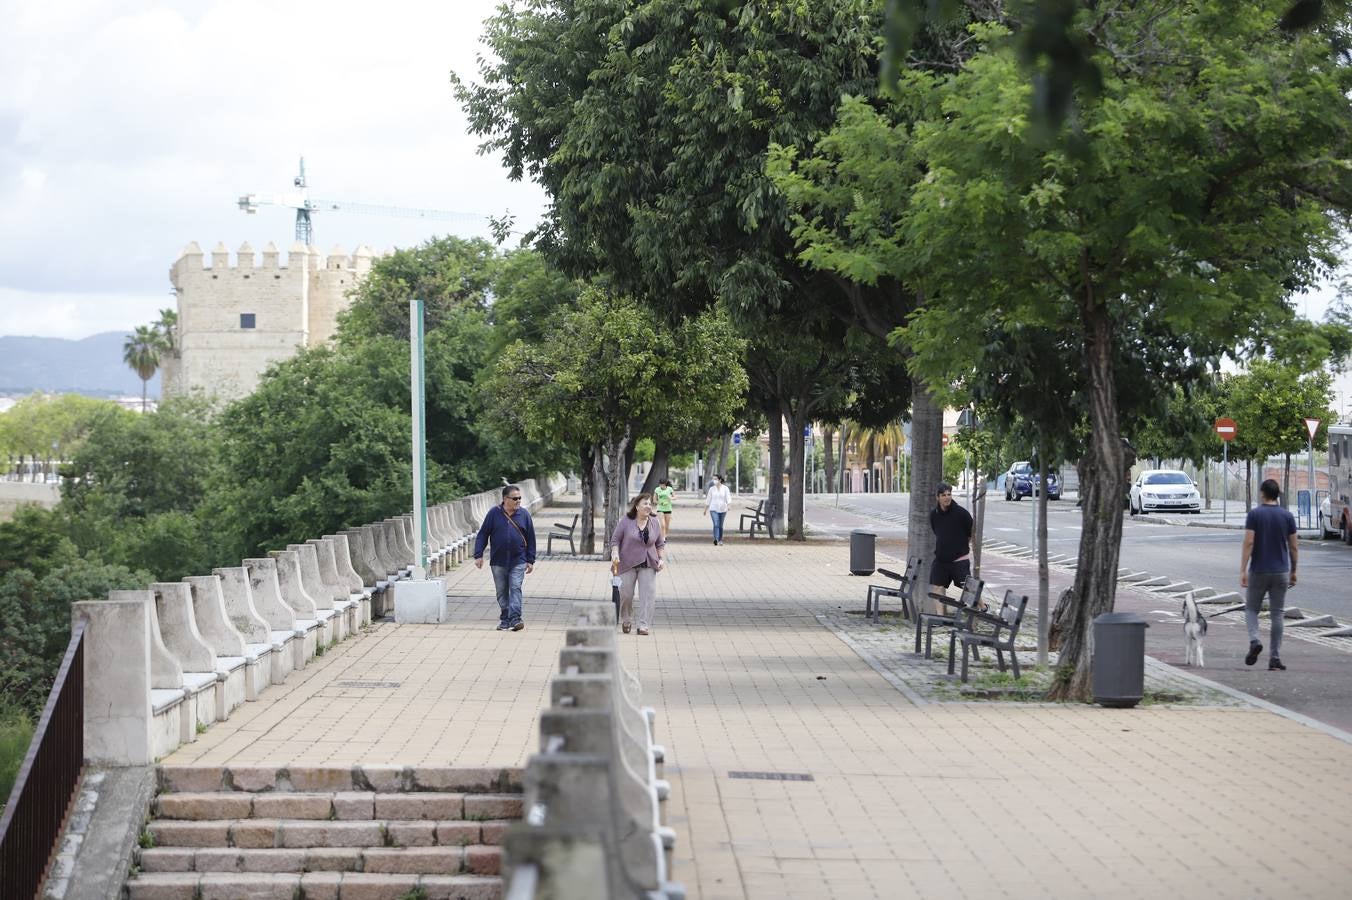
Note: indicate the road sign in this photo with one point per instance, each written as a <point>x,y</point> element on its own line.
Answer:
<point>1225,428</point>
<point>945,440</point>
<point>737,438</point>
<point>1312,425</point>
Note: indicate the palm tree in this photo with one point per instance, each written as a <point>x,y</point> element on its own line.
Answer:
<point>141,351</point>
<point>167,328</point>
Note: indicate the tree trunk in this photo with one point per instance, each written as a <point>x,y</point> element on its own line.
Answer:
<point>658,471</point>
<point>797,460</point>
<point>840,469</point>
<point>979,527</point>
<point>872,461</point>
<point>1043,576</point>
<point>587,466</point>
<point>1286,482</point>
<point>1103,481</point>
<point>927,430</point>
<point>615,481</point>
<point>774,489</point>
<point>145,383</point>
<point>598,477</point>
<point>828,458</point>
<point>723,454</point>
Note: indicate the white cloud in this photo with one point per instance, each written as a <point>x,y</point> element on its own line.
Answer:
<point>128,129</point>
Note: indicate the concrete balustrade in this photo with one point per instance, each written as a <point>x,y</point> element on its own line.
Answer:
<point>593,798</point>
<point>160,663</point>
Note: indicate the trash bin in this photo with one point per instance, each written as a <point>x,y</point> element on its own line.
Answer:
<point>861,552</point>
<point>1119,659</point>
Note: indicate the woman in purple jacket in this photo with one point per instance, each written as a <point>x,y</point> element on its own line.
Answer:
<point>636,550</point>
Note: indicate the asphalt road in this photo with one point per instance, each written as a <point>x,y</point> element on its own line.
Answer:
<point>1207,557</point>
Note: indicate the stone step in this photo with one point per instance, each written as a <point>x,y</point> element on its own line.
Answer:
<point>471,859</point>
<point>374,779</point>
<point>479,820</point>
<point>310,885</point>
<point>343,805</point>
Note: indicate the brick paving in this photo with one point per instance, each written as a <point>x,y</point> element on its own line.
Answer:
<point>750,674</point>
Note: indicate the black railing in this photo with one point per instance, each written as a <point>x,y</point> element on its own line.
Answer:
<point>37,807</point>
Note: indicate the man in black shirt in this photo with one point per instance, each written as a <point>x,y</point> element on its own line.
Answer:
<point>952,527</point>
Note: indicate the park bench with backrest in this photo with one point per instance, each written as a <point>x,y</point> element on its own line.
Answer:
<point>904,590</point>
<point>952,612</point>
<point>997,631</point>
<point>757,519</point>
<point>563,533</point>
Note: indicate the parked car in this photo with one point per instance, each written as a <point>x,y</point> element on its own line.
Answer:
<point>1164,490</point>
<point>1327,527</point>
<point>1021,481</point>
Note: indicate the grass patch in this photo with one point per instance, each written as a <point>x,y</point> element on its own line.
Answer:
<point>201,729</point>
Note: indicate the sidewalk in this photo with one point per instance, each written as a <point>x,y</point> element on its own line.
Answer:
<point>889,798</point>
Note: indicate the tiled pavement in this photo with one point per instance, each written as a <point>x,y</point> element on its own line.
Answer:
<point>954,799</point>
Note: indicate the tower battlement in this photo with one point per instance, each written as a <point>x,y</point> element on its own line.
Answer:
<point>240,312</point>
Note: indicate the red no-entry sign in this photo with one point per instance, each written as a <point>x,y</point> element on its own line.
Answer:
<point>1225,428</point>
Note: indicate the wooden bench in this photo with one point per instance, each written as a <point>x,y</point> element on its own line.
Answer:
<point>758,519</point>
<point>904,590</point>
<point>953,614</point>
<point>564,533</point>
<point>997,631</point>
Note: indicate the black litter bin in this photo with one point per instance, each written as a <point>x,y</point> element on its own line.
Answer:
<point>1119,659</point>
<point>861,552</point>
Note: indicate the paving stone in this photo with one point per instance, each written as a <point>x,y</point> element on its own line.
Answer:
<point>449,778</point>
<point>414,860</point>
<point>492,806</point>
<point>385,778</point>
<point>376,886</point>
<point>419,806</point>
<point>173,833</point>
<point>333,859</point>
<point>460,887</point>
<point>247,886</point>
<point>292,806</point>
<point>218,859</point>
<point>483,860</point>
<point>320,885</point>
<point>166,859</point>
<point>192,779</point>
<point>308,778</point>
<point>163,886</point>
<point>411,834</point>
<point>452,834</point>
<point>229,805</point>
<point>331,834</point>
<point>254,778</point>
<point>255,834</point>
<point>349,805</point>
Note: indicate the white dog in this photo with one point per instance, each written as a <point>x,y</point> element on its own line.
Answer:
<point>1194,629</point>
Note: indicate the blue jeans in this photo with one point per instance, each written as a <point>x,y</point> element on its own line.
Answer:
<point>508,583</point>
<point>718,518</point>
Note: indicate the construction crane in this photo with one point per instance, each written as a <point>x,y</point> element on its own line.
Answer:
<point>305,207</point>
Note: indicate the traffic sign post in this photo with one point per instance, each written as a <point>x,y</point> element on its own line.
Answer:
<point>1311,427</point>
<point>1226,431</point>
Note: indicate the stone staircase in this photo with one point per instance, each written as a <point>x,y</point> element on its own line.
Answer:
<point>362,833</point>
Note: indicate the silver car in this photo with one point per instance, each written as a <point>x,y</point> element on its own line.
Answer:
<point>1164,490</point>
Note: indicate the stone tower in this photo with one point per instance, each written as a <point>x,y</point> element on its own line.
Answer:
<point>235,320</point>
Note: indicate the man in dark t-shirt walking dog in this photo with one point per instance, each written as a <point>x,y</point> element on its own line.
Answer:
<point>952,527</point>
<point>1267,565</point>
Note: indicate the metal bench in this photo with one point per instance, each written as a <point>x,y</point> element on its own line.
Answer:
<point>954,612</point>
<point>564,533</point>
<point>997,631</point>
<point>758,520</point>
<point>904,590</point>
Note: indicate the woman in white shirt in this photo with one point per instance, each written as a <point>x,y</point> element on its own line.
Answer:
<point>716,505</point>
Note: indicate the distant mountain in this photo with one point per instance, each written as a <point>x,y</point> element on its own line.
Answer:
<point>91,366</point>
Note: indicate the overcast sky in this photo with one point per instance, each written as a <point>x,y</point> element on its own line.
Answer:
<point>128,129</point>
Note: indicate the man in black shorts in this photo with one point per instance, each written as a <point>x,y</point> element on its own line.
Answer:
<point>952,527</point>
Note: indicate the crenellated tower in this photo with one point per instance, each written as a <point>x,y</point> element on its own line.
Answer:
<point>234,320</point>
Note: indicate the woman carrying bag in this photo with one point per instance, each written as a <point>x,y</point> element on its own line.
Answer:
<point>636,550</point>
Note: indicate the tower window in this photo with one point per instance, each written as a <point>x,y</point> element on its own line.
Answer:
<point>247,320</point>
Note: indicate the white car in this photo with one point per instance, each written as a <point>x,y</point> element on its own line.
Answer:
<point>1327,527</point>
<point>1164,490</point>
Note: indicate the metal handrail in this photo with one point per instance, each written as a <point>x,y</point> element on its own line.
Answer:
<point>38,805</point>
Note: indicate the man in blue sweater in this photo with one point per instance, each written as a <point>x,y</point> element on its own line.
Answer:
<point>510,531</point>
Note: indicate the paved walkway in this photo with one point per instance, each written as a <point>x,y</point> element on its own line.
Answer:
<point>889,798</point>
